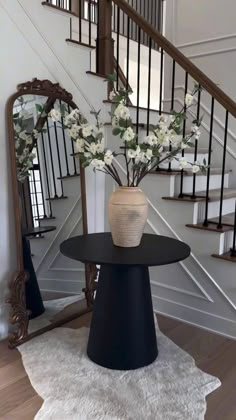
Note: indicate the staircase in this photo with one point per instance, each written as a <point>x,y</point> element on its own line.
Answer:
<point>199,209</point>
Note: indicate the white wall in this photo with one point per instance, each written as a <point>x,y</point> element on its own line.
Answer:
<point>205,32</point>
<point>18,63</point>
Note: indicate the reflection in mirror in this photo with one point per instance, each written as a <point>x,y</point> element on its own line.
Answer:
<point>51,209</point>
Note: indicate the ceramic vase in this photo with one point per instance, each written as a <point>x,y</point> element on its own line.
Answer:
<point>128,210</point>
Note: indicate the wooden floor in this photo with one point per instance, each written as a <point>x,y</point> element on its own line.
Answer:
<point>213,354</point>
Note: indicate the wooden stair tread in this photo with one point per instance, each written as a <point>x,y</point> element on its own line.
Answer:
<point>226,256</point>
<point>212,227</point>
<point>64,197</point>
<point>214,195</point>
<point>34,231</point>
<point>82,44</point>
<point>68,176</point>
<point>188,172</point>
<point>53,6</point>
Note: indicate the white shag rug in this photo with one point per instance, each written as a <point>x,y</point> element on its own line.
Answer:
<point>74,388</point>
<point>52,307</point>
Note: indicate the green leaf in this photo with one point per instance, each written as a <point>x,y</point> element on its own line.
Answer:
<point>39,108</point>
<point>111,77</point>
<point>116,131</point>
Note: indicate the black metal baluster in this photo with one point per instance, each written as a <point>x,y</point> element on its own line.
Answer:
<point>46,173</point>
<point>114,17</point>
<point>64,143</point>
<point>73,149</point>
<point>155,13</point>
<point>160,15</point>
<point>138,79</point>
<point>127,56</point>
<point>24,204</point>
<point>172,104</point>
<point>205,223</point>
<point>97,43</point>
<point>89,19</point>
<point>123,24</point>
<point>233,249</point>
<point>35,195</point>
<point>71,28</point>
<point>223,170</point>
<point>40,180</point>
<point>118,48</point>
<point>184,132</point>
<point>58,158</point>
<point>80,20</point>
<point>161,81</point>
<point>132,23</point>
<point>196,142</point>
<point>149,83</point>
<point>51,158</point>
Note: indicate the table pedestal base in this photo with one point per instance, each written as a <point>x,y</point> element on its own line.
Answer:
<point>122,334</point>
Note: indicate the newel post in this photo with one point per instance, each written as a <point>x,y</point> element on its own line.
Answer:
<point>104,42</point>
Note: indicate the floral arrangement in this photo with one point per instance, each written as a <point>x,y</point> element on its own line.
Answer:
<point>24,142</point>
<point>140,156</point>
<point>164,142</point>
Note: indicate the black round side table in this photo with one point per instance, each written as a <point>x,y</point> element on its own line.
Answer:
<point>122,334</point>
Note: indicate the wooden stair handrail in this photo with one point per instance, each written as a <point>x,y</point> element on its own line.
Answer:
<point>180,58</point>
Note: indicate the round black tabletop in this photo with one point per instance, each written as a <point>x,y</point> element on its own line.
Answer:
<point>98,248</point>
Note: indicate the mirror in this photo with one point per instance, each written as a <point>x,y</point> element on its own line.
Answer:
<point>50,206</point>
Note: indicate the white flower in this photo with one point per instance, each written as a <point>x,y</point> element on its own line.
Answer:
<point>98,163</point>
<point>92,148</point>
<point>17,128</point>
<point>75,114</point>
<point>115,122</point>
<point>74,131</point>
<point>131,153</point>
<point>79,145</point>
<point>197,133</point>
<point>129,134</point>
<point>149,154</point>
<point>163,137</point>
<point>188,99</point>
<point>112,95</point>
<point>183,163</point>
<point>17,144</point>
<point>23,135</point>
<point>184,145</point>
<point>141,157</point>
<point>100,146</point>
<point>55,115</point>
<point>87,131</point>
<point>195,168</point>
<point>29,140</point>
<point>151,139</point>
<point>35,133</point>
<point>122,112</point>
<point>108,158</point>
<point>87,155</point>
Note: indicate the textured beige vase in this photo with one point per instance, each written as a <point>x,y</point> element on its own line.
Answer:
<point>128,210</point>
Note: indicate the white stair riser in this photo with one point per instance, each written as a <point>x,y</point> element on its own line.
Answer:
<point>201,183</point>
<point>214,208</point>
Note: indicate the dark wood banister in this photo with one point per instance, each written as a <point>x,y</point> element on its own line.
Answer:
<point>180,58</point>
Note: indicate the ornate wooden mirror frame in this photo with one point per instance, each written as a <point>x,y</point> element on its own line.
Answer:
<point>19,315</point>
